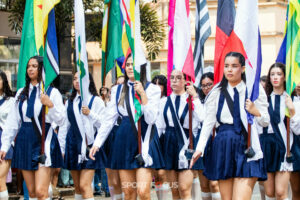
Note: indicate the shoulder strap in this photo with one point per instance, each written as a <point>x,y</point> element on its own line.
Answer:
<point>147,85</point>
<point>127,102</point>
<point>49,90</point>
<point>166,111</point>
<point>91,102</point>
<point>228,100</point>
<point>118,96</point>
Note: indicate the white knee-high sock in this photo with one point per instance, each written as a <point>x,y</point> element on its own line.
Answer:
<point>118,197</point>
<point>4,195</point>
<point>50,191</point>
<point>196,191</point>
<point>164,190</point>
<point>32,198</point>
<point>78,197</point>
<point>89,199</point>
<point>270,198</point>
<point>47,198</point>
<point>216,196</point>
<point>206,196</point>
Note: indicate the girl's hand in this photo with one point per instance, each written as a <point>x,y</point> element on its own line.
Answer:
<point>195,157</point>
<point>2,155</point>
<point>45,100</point>
<point>191,90</point>
<point>138,87</point>
<point>289,104</point>
<point>251,108</point>
<point>93,151</point>
<point>85,110</point>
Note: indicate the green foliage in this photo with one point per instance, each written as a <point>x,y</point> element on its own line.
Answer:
<point>152,30</point>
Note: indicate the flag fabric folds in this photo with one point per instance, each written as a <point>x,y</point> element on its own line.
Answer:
<point>289,53</point>
<point>38,24</point>
<point>203,31</point>
<point>245,39</point>
<point>225,23</point>
<point>180,54</point>
<point>81,55</point>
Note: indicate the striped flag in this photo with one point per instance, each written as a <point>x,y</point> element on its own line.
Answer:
<point>289,52</point>
<point>81,55</point>
<point>203,31</point>
<point>225,23</point>
<point>51,62</point>
<point>180,54</point>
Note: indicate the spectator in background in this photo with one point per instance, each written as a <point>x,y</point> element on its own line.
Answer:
<point>104,94</point>
<point>263,80</point>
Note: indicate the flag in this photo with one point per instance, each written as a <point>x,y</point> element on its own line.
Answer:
<point>28,45</point>
<point>51,61</point>
<point>225,23</point>
<point>132,27</point>
<point>180,54</point>
<point>203,31</point>
<point>290,50</point>
<point>111,35</point>
<point>35,28</point>
<point>81,55</point>
<point>245,39</point>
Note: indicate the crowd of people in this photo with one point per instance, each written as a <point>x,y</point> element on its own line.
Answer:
<point>195,143</point>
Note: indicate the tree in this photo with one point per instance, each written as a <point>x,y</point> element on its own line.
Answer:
<point>152,30</point>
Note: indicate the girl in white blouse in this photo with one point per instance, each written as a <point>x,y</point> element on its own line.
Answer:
<point>24,120</point>
<point>235,171</point>
<point>135,168</point>
<point>77,135</point>
<point>274,137</point>
<point>6,103</point>
<point>173,122</point>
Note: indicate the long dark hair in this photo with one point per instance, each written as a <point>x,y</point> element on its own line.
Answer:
<point>92,88</point>
<point>143,80</point>
<point>161,80</point>
<point>5,86</point>
<point>224,81</point>
<point>25,92</point>
<point>269,86</point>
<point>209,75</point>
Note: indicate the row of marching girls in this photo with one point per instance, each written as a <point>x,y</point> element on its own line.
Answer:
<point>35,152</point>
<point>159,140</point>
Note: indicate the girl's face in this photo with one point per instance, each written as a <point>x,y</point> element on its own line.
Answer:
<point>206,85</point>
<point>297,89</point>
<point>33,69</point>
<point>177,81</point>
<point>277,77</point>
<point>129,68</point>
<point>233,70</point>
<point>76,81</point>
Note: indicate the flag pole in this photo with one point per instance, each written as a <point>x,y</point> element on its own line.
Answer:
<point>191,145</point>
<point>105,59</point>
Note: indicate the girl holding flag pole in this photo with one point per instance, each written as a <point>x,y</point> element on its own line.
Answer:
<point>77,134</point>
<point>274,139</point>
<point>6,103</point>
<point>226,107</point>
<point>173,122</point>
<point>24,120</point>
<point>134,164</point>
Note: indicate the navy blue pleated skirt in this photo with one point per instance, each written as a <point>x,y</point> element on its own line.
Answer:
<point>28,147</point>
<point>125,148</point>
<point>73,149</point>
<point>199,165</point>
<point>108,145</point>
<point>273,151</point>
<point>296,153</point>
<point>226,158</point>
<point>9,154</point>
